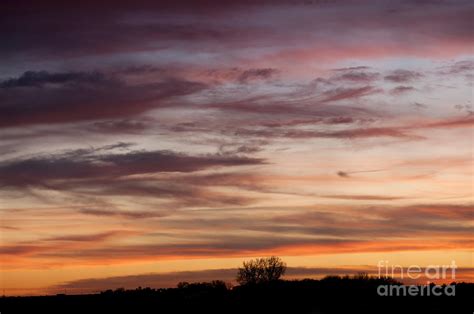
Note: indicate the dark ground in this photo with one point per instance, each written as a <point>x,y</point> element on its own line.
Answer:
<point>329,295</point>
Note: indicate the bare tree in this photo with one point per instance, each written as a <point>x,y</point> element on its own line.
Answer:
<point>261,270</point>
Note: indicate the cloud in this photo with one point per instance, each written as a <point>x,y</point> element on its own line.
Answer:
<point>354,133</point>
<point>254,246</point>
<point>128,31</point>
<point>237,75</point>
<point>85,31</point>
<point>459,67</point>
<point>185,193</point>
<point>347,174</point>
<point>354,68</point>
<point>343,174</point>
<point>285,130</point>
<point>121,126</point>
<point>42,78</point>
<point>401,90</point>
<point>438,212</point>
<point>365,133</point>
<point>121,214</point>
<point>319,229</point>
<point>313,121</point>
<point>206,247</point>
<point>98,237</point>
<point>348,93</point>
<point>18,249</point>
<point>357,77</point>
<point>93,177</point>
<point>361,197</point>
<point>451,123</point>
<point>420,105</point>
<point>403,76</point>
<point>295,104</point>
<point>62,242</point>
<point>44,98</point>
<point>89,164</point>
<point>254,74</point>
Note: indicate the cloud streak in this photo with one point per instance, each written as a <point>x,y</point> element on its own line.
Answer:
<point>43,97</point>
<point>86,164</point>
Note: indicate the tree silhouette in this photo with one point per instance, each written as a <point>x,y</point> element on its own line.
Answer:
<point>261,270</point>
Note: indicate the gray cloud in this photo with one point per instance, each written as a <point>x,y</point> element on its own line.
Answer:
<point>89,164</point>
<point>401,90</point>
<point>43,97</point>
<point>254,74</point>
<point>403,76</point>
<point>357,77</point>
<point>42,78</point>
<point>459,67</point>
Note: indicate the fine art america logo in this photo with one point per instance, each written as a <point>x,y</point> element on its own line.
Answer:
<point>415,272</point>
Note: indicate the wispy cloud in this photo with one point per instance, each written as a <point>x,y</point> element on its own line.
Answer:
<point>43,97</point>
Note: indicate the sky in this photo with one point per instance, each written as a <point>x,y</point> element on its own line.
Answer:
<point>146,142</point>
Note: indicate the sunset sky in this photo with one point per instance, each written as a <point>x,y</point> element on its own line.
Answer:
<point>140,139</point>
